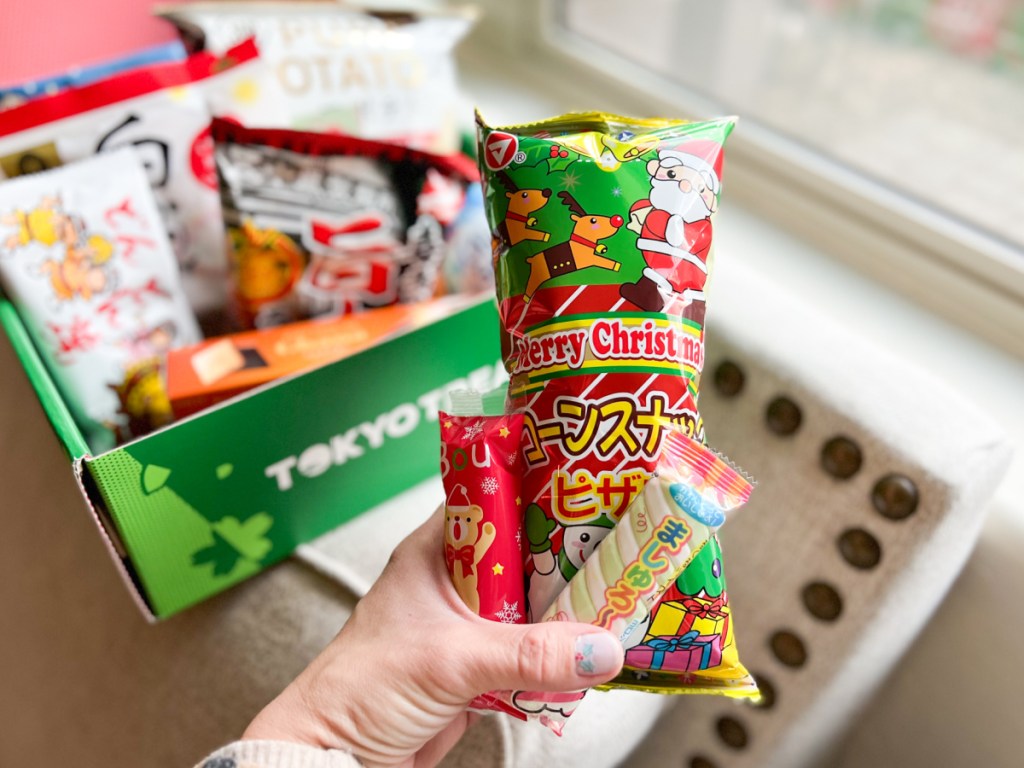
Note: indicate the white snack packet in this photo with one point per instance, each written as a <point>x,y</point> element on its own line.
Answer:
<point>387,75</point>
<point>85,259</point>
<point>162,112</point>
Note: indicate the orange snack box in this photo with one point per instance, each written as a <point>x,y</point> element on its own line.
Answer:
<point>214,370</point>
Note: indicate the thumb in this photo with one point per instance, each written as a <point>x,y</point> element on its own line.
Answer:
<point>550,656</point>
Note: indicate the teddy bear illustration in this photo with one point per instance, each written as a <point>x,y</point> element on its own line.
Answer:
<point>465,544</point>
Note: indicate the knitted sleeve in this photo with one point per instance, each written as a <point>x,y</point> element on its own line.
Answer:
<point>277,754</point>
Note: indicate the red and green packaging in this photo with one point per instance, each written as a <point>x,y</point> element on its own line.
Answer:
<point>483,529</point>
<point>483,513</point>
<point>603,250</point>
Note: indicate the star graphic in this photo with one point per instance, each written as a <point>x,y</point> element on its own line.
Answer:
<point>519,501</point>
<point>570,180</point>
<point>504,432</point>
<point>498,569</point>
<point>448,424</point>
<point>617,192</point>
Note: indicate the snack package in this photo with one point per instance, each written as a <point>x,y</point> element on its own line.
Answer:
<point>87,263</point>
<point>377,74</point>
<point>204,374</point>
<point>483,514</point>
<point>162,112</point>
<point>622,582</point>
<point>13,95</point>
<point>483,532</point>
<point>603,244</point>
<point>325,224</point>
<point>467,265</point>
<point>673,518</point>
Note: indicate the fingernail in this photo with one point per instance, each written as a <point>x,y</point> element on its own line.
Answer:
<point>597,653</point>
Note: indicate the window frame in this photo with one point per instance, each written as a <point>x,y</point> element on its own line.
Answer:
<point>959,273</point>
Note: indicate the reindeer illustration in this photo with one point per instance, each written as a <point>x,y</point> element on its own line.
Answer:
<point>582,249</point>
<point>517,225</point>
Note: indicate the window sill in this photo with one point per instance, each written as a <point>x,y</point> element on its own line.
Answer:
<point>517,71</point>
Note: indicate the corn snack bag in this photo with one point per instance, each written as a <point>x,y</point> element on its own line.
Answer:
<point>603,242</point>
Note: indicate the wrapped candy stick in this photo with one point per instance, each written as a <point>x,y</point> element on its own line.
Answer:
<point>675,515</point>
<point>672,519</point>
<point>483,518</point>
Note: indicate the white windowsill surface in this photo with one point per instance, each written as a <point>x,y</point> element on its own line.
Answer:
<point>958,684</point>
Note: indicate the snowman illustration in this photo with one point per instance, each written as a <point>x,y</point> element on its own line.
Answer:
<point>553,570</point>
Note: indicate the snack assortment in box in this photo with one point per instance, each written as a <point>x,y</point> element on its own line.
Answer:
<point>602,235</point>
<point>163,190</point>
<point>117,250</point>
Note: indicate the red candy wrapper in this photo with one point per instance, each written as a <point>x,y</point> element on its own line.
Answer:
<point>483,513</point>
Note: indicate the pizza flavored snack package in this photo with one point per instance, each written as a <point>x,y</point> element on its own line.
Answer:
<point>602,230</point>
<point>326,224</point>
<point>86,261</point>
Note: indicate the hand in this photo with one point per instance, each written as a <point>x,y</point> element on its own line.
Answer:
<point>392,687</point>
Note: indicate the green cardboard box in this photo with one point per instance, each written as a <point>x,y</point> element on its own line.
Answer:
<point>203,504</point>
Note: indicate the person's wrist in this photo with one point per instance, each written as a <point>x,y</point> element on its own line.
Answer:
<point>281,720</point>
<point>294,717</point>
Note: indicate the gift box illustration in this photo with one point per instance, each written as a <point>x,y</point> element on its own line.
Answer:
<point>689,652</point>
<point>703,615</point>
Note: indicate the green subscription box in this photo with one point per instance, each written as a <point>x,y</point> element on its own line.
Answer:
<point>207,502</point>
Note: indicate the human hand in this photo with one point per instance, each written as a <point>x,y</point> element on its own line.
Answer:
<point>393,686</point>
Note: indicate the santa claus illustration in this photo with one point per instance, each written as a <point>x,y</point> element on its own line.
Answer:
<point>674,225</point>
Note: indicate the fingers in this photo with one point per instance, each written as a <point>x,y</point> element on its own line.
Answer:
<point>419,550</point>
<point>434,750</point>
<point>431,529</point>
<point>552,656</point>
